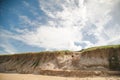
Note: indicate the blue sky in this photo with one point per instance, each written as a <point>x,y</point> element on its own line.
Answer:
<point>40,25</point>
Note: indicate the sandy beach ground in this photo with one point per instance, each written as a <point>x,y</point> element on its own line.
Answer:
<point>8,76</point>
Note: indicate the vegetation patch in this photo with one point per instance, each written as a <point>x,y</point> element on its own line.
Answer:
<point>100,47</point>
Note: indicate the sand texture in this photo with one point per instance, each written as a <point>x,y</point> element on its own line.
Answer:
<point>4,76</point>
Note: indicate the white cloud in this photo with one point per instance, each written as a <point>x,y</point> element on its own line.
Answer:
<point>31,8</point>
<point>78,13</point>
<point>69,20</point>
<point>52,37</point>
<point>7,48</point>
<point>4,42</point>
<point>26,21</point>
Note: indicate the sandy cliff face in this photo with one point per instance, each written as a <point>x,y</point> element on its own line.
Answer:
<point>98,59</point>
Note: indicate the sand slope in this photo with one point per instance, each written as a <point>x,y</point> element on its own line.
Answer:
<point>29,63</point>
<point>4,76</point>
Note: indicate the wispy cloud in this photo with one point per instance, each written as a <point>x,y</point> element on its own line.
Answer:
<point>4,42</point>
<point>72,23</point>
<point>32,9</point>
<point>7,48</point>
<point>68,20</point>
<point>52,37</point>
<point>27,22</point>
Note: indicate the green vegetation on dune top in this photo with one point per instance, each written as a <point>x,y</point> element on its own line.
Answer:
<point>100,47</point>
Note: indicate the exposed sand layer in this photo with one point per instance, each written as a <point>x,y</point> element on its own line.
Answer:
<point>30,63</point>
<point>97,62</point>
<point>4,76</point>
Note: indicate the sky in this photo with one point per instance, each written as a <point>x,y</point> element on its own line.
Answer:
<point>47,25</point>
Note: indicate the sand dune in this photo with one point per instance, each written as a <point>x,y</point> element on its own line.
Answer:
<point>104,58</point>
<point>4,76</point>
<point>96,61</point>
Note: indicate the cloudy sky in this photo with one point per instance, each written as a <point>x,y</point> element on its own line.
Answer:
<point>40,25</point>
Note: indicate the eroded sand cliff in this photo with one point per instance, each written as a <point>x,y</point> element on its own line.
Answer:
<point>93,59</point>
